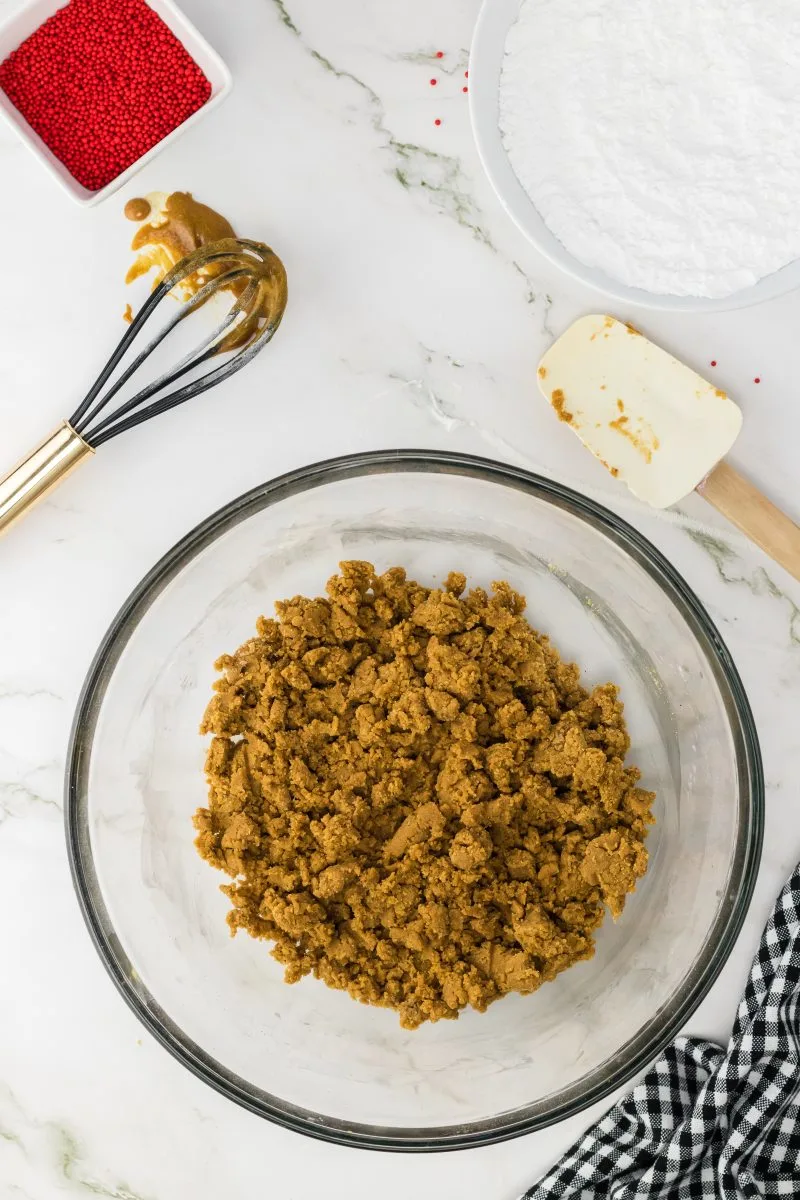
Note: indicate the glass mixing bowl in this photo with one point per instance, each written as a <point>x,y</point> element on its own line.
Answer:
<point>314,1059</point>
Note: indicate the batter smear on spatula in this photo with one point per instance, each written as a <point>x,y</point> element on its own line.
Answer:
<point>652,421</point>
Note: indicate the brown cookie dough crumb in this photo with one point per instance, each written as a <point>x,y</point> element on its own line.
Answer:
<point>416,800</point>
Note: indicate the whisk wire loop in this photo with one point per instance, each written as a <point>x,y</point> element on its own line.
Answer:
<point>248,267</point>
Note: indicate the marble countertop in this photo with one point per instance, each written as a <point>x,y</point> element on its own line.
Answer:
<point>417,316</point>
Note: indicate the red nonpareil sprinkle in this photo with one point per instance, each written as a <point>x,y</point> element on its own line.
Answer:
<point>757,379</point>
<point>102,82</point>
<point>713,362</point>
<point>464,89</point>
<point>437,121</point>
<point>433,83</point>
<point>440,53</point>
<point>466,74</point>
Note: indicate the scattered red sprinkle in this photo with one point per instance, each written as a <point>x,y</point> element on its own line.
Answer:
<point>713,362</point>
<point>102,82</point>
<point>440,53</point>
<point>757,379</point>
<point>465,89</point>
<point>437,121</point>
<point>433,83</point>
<point>466,74</point>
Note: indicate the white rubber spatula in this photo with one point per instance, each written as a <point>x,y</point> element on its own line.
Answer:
<point>659,427</point>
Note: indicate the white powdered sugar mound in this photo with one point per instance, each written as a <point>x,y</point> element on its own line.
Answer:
<point>660,139</point>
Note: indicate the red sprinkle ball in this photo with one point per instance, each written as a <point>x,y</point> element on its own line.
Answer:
<point>440,53</point>
<point>433,83</point>
<point>437,121</point>
<point>713,362</point>
<point>757,379</point>
<point>464,89</point>
<point>102,82</point>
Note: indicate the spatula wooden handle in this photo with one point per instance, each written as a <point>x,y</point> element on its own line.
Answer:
<point>756,516</point>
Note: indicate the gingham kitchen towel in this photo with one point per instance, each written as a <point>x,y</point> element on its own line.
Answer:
<point>705,1122</point>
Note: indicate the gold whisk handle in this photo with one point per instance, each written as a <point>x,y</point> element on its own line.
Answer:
<point>39,473</point>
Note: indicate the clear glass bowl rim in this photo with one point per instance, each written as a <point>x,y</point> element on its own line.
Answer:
<point>76,815</point>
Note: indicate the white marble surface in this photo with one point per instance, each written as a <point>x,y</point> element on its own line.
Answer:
<point>417,314</point>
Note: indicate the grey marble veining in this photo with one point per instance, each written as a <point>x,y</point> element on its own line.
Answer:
<point>417,315</point>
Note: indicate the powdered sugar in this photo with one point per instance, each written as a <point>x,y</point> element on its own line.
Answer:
<point>660,139</point>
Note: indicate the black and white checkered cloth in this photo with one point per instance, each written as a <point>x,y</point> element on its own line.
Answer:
<point>706,1122</point>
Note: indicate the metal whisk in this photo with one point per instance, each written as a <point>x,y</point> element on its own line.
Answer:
<point>257,280</point>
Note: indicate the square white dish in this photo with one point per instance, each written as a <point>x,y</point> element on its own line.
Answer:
<point>32,15</point>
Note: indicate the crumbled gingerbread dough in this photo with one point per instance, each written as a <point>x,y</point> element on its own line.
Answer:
<point>416,800</point>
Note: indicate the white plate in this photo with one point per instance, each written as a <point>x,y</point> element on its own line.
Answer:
<point>486,59</point>
<point>33,14</point>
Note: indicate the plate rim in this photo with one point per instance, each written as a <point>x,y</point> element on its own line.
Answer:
<point>485,62</point>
